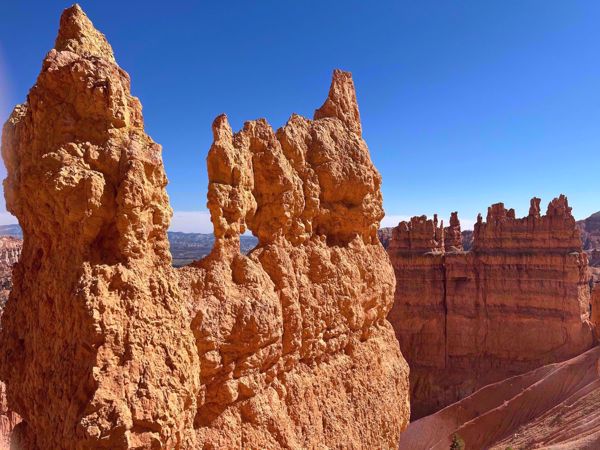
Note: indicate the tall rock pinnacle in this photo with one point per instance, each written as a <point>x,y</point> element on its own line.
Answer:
<point>78,35</point>
<point>97,351</point>
<point>341,102</point>
<point>295,349</point>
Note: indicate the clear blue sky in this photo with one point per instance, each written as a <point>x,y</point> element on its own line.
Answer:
<point>464,103</point>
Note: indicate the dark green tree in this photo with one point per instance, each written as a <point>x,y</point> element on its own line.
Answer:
<point>457,443</point>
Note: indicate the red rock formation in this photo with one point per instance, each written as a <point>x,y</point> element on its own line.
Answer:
<point>555,232</point>
<point>453,235</point>
<point>10,249</point>
<point>420,235</point>
<point>590,231</point>
<point>8,420</point>
<point>554,406</point>
<point>519,300</point>
<point>105,345</point>
<point>301,356</point>
<point>385,235</point>
<point>96,348</point>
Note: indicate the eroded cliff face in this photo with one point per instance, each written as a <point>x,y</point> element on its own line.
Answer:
<point>97,351</point>
<point>105,345</point>
<point>520,299</point>
<point>10,249</point>
<point>295,350</point>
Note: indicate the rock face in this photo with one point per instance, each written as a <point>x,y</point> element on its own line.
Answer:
<point>10,250</point>
<point>590,231</point>
<point>8,420</point>
<point>105,345</point>
<point>590,235</point>
<point>293,342</point>
<point>97,351</point>
<point>520,299</point>
<point>453,235</point>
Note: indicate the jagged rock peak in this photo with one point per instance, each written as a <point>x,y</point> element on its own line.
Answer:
<point>498,212</point>
<point>452,234</point>
<point>454,221</point>
<point>419,235</point>
<point>78,35</point>
<point>341,102</point>
<point>560,207</point>
<point>88,185</point>
<point>534,207</point>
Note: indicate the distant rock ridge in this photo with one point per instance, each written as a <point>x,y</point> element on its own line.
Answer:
<point>106,345</point>
<point>518,300</point>
<point>553,232</point>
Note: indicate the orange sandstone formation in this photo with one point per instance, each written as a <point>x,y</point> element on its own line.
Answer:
<point>520,299</point>
<point>295,350</point>
<point>8,420</point>
<point>104,345</point>
<point>96,347</point>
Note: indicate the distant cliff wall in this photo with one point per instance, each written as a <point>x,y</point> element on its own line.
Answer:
<point>520,299</point>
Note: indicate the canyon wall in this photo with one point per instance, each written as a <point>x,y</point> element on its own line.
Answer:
<point>105,345</point>
<point>10,250</point>
<point>520,299</point>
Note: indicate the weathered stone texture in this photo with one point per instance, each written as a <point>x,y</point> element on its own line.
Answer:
<point>520,299</point>
<point>293,341</point>
<point>105,345</point>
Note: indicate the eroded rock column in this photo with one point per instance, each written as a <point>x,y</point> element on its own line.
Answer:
<point>295,349</point>
<point>96,346</point>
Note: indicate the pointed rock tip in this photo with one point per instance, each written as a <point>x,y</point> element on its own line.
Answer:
<point>77,34</point>
<point>341,102</point>
<point>221,127</point>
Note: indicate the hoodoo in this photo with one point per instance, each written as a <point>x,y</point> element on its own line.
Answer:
<point>105,345</point>
<point>519,300</point>
<point>97,350</point>
<point>295,350</point>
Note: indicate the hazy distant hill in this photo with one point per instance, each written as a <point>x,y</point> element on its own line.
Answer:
<point>188,247</point>
<point>185,247</point>
<point>11,230</point>
<point>590,231</point>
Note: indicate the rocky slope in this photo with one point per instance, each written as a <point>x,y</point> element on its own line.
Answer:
<point>590,231</point>
<point>106,345</point>
<point>552,407</point>
<point>10,250</point>
<point>520,299</point>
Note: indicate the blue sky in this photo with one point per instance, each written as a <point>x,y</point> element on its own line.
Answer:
<point>464,103</point>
